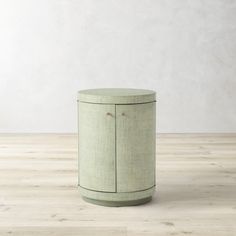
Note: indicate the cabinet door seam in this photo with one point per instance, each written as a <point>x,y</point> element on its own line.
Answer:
<point>100,191</point>
<point>115,154</point>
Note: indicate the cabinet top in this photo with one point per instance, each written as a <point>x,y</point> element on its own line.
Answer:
<point>116,96</point>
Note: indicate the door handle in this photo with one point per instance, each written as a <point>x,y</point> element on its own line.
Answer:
<point>109,114</point>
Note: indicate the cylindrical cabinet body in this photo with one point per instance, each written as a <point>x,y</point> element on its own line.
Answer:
<point>117,140</point>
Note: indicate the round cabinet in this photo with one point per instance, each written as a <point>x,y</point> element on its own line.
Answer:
<point>117,140</point>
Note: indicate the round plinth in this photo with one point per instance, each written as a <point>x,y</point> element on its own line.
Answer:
<point>117,199</point>
<point>118,203</point>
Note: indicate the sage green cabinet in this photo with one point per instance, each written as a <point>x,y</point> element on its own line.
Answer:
<point>117,146</point>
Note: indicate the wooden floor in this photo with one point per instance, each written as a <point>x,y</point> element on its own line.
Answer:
<point>196,189</point>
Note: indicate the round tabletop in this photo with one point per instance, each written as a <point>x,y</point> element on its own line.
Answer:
<point>117,96</point>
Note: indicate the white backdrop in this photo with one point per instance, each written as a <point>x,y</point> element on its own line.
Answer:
<point>185,50</point>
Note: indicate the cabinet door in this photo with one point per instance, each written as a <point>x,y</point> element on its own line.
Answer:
<point>135,136</point>
<point>97,146</point>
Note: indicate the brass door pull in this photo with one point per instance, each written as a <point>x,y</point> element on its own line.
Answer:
<point>109,114</point>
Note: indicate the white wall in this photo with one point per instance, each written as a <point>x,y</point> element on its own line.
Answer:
<point>185,50</point>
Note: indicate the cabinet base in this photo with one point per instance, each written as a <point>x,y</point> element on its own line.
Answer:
<point>117,198</point>
<point>118,203</point>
